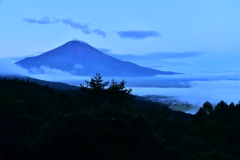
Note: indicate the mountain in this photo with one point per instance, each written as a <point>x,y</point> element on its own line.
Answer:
<point>80,58</point>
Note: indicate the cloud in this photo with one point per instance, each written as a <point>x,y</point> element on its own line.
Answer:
<point>15,59</point>
<point>18,58</point>
<point>200,92</point>
<point>105,50</point>
<point>78,66</point>
<point>137,34</point>
<point>157,55</point>
<point>99,32</point>
<point>173,55</point>
<point>85,28</point>
<point>159,60</point>
<point>43,20</point>
<point>77,25</point>
<point>47,70</point>
<point>163,63</point>
<point>203,76</point>
<point>8,68</point>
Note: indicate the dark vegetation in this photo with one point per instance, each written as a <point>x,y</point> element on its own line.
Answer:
<point>103,120</point>
<point>56,85</point>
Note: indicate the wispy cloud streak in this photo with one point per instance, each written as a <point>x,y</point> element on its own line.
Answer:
<point>77,25</point>
<point>158,55</point>
<point>85,28</point>
<point>105,50</point>
<point>43,20</point>
<point>138,34</point>
<point>99,32</point>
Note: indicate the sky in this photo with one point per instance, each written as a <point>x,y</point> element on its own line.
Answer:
<point>187,36</point>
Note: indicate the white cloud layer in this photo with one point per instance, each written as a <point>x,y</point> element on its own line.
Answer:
<point>47,70</point>
<point>203,76</point>
<point>212,87</point>
<point>200,92</point>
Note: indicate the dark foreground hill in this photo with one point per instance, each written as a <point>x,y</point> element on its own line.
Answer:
<point>80,58</point>
<point>39,122</point>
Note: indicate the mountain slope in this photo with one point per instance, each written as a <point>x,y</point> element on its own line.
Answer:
<point>82,59</point>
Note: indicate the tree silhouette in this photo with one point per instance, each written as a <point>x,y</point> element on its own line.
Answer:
<point>118,94</point>
<point>94,92</point>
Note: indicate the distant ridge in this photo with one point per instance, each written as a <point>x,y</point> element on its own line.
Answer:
<point>79,58</point>
<point>56,85</point>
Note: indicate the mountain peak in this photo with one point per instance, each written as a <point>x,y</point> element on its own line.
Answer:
<point>79,58</point>
<point>76,42</point>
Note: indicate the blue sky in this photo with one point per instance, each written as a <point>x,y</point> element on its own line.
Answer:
<point>179,35</point>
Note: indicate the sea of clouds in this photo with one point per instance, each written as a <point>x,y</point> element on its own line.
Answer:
<point>196,89</point>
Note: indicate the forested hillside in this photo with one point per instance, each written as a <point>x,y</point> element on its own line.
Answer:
<point>103,120</point>
<point>56,85</point>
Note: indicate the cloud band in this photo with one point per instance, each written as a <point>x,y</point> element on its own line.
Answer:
<point>138,34</point>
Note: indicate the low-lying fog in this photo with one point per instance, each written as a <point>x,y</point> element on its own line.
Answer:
<point>195,88</point>
<point>200,92</point>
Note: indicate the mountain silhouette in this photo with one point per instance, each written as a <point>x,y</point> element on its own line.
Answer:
<point>79,58</point>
